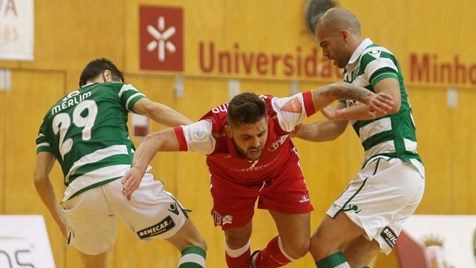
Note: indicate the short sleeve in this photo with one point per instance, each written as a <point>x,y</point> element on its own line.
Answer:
<point>292,110</point>
<point>42,142</point>
<point>196,137</point>
<point>129,96</point>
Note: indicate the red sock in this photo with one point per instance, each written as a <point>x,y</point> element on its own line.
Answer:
<point>240,261</point>
<point>271,256</point>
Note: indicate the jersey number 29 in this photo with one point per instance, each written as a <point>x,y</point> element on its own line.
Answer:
<point>62,122</point>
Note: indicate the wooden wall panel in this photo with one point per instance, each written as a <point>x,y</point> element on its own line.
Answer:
<point>25,104</point>
<point>3,151</point>
<point>31,96</point>
<point>463,129</point>
<point>63,41</point>
<point>392,27</point>
<point>435,135</point>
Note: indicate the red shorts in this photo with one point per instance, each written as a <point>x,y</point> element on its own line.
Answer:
<point>233,203</point>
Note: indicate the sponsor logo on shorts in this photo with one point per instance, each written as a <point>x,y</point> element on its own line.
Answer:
<point>174,209</point>
<point>227,219</point>
<point>304,199</point>
<point>160,228</point>
<point>216,218</point>
<point>222,220</point>
<point>389,236</point>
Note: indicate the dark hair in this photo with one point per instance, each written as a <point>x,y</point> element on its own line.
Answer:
<point>97,66</point>
<point>246,108</point>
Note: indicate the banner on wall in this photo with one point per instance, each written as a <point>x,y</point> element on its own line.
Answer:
<point>161,38</point>
<point>449,240</point>
<point>24,241</point>
<point>162,48</point>
<point>16,30</point>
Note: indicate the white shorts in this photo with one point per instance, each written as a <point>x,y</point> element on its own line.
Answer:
<point>381,198</point>
<point>92,215</point>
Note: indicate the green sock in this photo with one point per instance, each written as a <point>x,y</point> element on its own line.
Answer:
<point>334,260</point>
<point>193,257</point>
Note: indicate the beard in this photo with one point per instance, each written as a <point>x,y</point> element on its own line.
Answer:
<point>254,153</point>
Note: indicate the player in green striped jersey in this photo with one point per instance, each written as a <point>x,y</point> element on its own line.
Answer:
<point>86,131</point>
<point>368,216</point>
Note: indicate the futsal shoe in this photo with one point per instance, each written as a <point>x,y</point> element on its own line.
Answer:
<point>254,255</point>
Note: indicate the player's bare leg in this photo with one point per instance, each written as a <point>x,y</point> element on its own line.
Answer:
<point>291,244</point>
<point>187,236</point>
<point>294,231</point>
<point>191,244</point>
<point>94,261</point>
<point>238,246</point>
<point>330,238</point>
<point>361,252</point>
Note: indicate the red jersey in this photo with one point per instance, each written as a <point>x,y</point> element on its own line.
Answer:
<point>208,136</point>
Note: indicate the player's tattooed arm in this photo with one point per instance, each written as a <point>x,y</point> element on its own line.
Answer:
<point>344,91</point>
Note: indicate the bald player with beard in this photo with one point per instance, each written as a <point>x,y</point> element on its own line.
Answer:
<point>368,217</point>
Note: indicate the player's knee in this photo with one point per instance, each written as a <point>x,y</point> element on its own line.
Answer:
<point>319,248</point>
<point>236,239</point>
<point>297,248</point>
<point>300,251</point>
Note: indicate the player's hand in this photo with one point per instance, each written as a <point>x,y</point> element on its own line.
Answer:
<point>66,231</point>
<point>131,181</point>
<point>380,103</point>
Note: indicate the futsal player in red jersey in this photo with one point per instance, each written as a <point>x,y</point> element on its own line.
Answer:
<point>251,158</point>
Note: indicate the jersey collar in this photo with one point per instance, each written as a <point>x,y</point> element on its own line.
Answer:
<point>358,51</point>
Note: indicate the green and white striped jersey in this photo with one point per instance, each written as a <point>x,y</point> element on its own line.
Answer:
<point>392,135</point>
<point>87,132</point>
